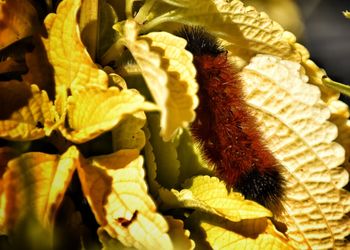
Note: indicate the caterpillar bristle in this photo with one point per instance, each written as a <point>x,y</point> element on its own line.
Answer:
<point>199,41</point>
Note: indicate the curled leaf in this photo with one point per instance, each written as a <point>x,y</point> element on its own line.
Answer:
<point>169,73</point>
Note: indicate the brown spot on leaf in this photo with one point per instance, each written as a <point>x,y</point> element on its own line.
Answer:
<point>125,222</point>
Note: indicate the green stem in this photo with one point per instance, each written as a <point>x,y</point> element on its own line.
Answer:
<point>142,14</point>
<point>128,8</point>
<point>113,53</point>
<point>157,21</point>
<point>342,88</point>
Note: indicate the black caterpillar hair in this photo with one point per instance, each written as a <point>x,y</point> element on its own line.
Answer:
<point>200,42</point>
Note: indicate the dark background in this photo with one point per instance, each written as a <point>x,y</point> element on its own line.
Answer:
<point>327,36</point>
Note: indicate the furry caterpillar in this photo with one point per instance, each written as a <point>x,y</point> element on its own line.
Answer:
<point>224,127</point>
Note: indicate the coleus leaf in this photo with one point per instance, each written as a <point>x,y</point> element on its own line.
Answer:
<point>117,193</point>
<point>169,74</point>
<point>68,56</point>
<point>35,183</point>
<point>209,194</point>
<point>294,123</point>
<point>93,111</point>
<point>35,116</point>
<point>247,234</point>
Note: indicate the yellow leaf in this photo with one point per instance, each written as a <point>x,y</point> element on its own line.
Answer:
<point>346,14</point>
<point>93,111</point>
<point>18,20</point>
<point>242,27</point>
<point>247,234</point>
<point>34,117</point>
<point>67,54</point>
<point>285,12</point>
<point>260,33</point>
<point>115,188</point>
<point>209,194</point>
<point>294,122</point>
<point>179,236</point>
<point>34,184</point>
<point>169,74</point>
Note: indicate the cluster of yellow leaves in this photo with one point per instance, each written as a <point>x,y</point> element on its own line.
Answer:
<point>84,108</point>
<point>292,114</point>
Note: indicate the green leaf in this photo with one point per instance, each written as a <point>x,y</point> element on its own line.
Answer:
<point>107,35</point>
<point>164,153</point>
<point>192,160</point>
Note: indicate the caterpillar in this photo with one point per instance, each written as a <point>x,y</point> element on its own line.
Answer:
<point>224,127</point>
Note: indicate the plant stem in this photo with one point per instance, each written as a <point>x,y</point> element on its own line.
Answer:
<point>142,14</point>
<point>342,88</point>
<point>157,21</point>
<point>113,53</point>
<point>128,8</point>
